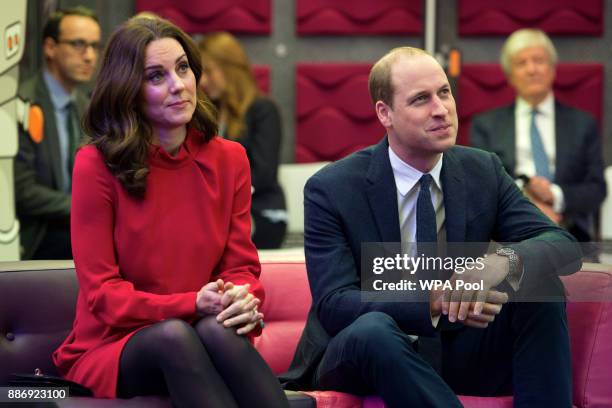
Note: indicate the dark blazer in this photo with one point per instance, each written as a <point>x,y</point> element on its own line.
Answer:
<point>38,174</point>
<point>579,161</point>
<point>262,141</point>
<point>354,200</point>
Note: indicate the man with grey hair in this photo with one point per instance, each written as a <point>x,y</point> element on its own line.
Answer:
<point>414,188</point>
<point>554,151</point>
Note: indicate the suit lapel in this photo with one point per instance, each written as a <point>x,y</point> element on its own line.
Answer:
<point>455,197</point>
<point>51,137</point>
<point>507,138</point>
<point>562,138</point>
<point>382,194</point>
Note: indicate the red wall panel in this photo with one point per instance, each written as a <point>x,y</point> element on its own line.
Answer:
<point>358,17</point>
<point>237,16</point>
<point>497,17</point>
<point>262,77</point>
<point>334,114</point>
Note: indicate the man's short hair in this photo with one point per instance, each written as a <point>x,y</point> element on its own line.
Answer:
<point>52,26</point>
<point>525,38</point>
<point>379,82</point>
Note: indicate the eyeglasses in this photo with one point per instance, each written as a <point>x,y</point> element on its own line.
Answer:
<point>81,45</point>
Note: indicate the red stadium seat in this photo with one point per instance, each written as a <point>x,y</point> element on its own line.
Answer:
<point>565,17</point>
<point>237,16</point>
<point>334,114</point>
<point>358,17</point>
<point>482,87</point>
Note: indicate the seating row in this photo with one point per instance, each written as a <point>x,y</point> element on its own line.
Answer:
<point>37,306</point>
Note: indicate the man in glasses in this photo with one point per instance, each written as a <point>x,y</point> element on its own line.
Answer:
<point>43,167</point>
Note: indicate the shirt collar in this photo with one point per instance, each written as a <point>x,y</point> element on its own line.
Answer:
<point>407,176</point>
<point>59,96</point>
<point>546,107</point>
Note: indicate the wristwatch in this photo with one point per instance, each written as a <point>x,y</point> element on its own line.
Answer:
<point>515,272</point>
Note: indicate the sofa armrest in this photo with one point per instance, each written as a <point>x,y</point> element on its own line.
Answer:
<point>37,307</point>
<point>589,312</point>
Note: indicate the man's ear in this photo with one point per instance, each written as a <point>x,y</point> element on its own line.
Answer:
<point>49,47</point>
<point>383,111</point>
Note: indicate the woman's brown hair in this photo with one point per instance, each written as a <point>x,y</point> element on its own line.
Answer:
<point>241,87</point>
<point>114,121</point>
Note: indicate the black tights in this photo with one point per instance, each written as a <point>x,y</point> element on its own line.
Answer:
<point>205,365</point>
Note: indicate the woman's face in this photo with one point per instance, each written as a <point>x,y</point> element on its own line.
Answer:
<point>213,80</point>
<point>169,87</point>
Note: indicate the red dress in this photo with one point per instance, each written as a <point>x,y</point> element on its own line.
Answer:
<point>142,261</point>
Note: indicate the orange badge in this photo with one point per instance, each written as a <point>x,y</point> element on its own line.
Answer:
<point>36,124</point>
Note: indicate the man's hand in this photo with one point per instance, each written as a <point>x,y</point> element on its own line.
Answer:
<point>547,209</point>
<point>539,188</point>
<point>491,308</point>
<point>456,302</point>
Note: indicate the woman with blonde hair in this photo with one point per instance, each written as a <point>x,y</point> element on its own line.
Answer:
<point>248,117</point>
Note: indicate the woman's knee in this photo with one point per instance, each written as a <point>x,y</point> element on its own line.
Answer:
<point>174,335</point>
<point>210,330</point>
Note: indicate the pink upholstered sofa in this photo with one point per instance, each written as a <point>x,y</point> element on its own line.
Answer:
<point>37,300</point>
<point>288,300</point>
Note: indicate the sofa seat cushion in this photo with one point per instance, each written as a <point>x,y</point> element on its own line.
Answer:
<point>467,401</point>
<point>296,400</point>
<point>285,310</point>
<point>334,399</point>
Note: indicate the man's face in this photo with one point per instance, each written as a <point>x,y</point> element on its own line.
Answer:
<point>423,120</point>
<point>72,58</point>
<point>532,74</point>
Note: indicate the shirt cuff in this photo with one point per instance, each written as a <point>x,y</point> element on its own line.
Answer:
<point>558,198</point>
<point>514,280</point>
<point>435,320</point>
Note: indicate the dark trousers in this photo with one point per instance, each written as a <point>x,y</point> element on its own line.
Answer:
<point>524,353</point>
<point>55,244</point>
<point>268,234</point>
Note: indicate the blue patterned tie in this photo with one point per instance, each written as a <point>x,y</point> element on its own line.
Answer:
<point>430,348</point>
<point>537,149</point>
<point>426,230</point>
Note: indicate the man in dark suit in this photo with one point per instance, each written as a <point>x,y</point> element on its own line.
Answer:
<point>43,166</point>
<point>552,149</point>
<point>416,186</point>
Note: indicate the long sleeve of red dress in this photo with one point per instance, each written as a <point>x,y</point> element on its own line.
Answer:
<point>140,261</point>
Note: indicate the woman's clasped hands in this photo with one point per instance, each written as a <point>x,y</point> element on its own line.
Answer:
<point>233,304</point>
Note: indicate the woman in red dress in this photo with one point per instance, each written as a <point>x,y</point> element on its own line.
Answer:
<point>160,226</point>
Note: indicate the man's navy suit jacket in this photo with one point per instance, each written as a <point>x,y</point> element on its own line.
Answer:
<point>579,166</point>
<point>354,200</point>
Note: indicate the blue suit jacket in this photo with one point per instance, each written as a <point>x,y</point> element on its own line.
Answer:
<point>354,200</point>
<point>579,162</point>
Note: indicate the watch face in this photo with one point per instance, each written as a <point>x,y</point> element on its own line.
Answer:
<point>505,251</point>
